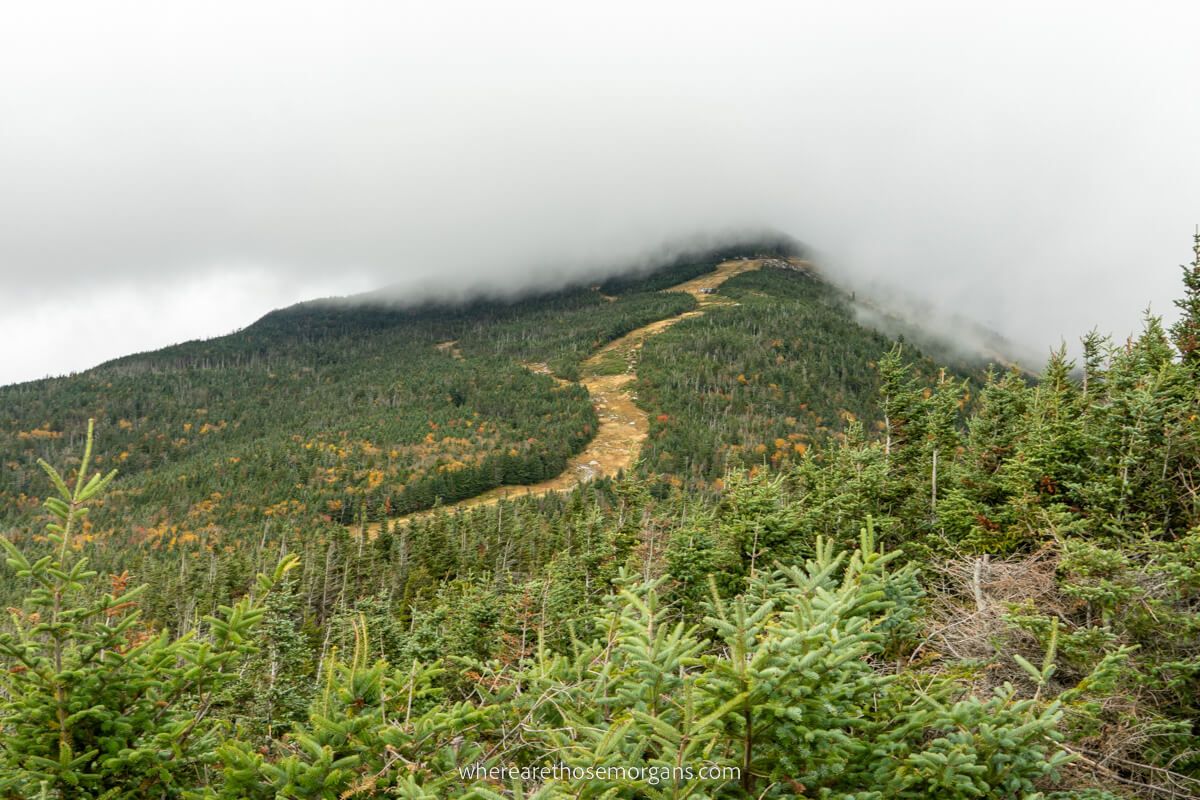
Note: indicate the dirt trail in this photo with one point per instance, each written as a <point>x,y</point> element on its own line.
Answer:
<point>606,376</point>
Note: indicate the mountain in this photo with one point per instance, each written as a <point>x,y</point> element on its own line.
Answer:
<point>337,410</point>
<point>700,513</point>
<point>356,414</point>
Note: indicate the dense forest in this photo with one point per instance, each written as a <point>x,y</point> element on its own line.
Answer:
<point>838,571</point>
<point>328,411</point>
<point>786,367</point>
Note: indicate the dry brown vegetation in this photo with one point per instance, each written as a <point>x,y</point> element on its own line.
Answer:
<point>973,600</point>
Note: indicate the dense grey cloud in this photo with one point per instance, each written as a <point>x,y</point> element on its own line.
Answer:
<point>175,170</point>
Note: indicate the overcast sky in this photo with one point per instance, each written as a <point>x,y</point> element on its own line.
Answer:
<point>175,170</point>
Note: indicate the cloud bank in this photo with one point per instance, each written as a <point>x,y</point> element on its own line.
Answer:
<point>176,170</point>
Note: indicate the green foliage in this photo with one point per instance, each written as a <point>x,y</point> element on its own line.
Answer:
<point>781,684</point>
<point>275,683</point>
<point>374,730</point>
<point>747,623</point>
<point>758,383</point>
<point>780,690</point>
<point>95,703</point>
<point>1186,332</point>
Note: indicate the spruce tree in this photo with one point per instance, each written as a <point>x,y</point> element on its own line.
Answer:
<point>96,703</point>
<point>1186,332</point>
<point>277,682</point>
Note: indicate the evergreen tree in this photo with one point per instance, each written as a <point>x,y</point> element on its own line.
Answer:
<point>96,703</point>
<point>276,683</point>
<point>1186,332</point>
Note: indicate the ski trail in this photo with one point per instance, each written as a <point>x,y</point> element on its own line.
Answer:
<point>623,425</point>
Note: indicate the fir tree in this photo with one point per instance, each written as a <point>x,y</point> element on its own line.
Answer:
<point>277,682</point>
<point>96,703</point>
<point>1186,332</point>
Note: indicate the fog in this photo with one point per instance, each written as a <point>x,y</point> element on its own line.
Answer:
<point>170,171</point>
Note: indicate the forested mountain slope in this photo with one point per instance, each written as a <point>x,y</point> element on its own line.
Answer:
<point>336,412</point>
<point>334,407</point>
<point>838,570</point>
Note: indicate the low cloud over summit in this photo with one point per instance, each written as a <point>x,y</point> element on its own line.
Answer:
<point>176,171</point>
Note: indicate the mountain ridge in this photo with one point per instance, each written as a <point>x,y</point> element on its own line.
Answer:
<point>416,473</point>
<point>230,396</point>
